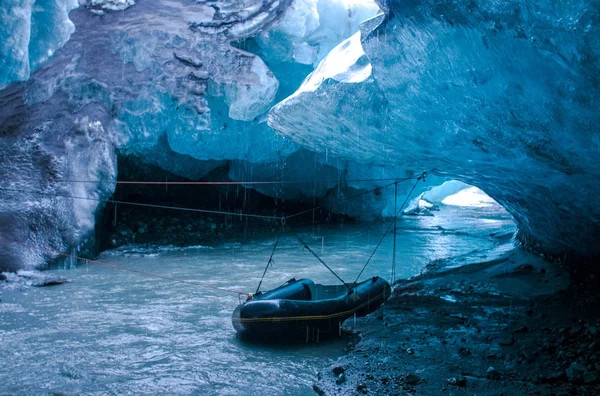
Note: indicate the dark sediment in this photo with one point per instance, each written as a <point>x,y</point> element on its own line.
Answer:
<point>513,326</point>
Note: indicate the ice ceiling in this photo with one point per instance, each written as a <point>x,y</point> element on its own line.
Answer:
<point>500,95</point>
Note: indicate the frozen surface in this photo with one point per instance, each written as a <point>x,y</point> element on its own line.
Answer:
<point>114,331</point>
<point>165,81</point>
<point>500,95</point>
<point>309,29</point>
<point>30,32</point>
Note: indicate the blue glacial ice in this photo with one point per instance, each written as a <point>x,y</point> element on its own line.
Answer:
<point>497,95</point>
<point>30,32</point>
<point>182,86</point>
<point>500,95</point>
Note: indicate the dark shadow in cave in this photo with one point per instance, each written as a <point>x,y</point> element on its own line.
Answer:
<point>120,224</point>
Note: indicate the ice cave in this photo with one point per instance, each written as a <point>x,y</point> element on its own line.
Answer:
<point>159,159</point>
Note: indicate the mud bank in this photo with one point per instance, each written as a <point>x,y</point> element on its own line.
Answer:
<point>513,325</point>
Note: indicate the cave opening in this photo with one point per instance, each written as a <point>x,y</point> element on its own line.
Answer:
<point>125,222</point>
<point>453,203</point>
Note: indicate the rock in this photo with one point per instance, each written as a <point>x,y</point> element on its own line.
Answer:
<point>362,387</point>
<point>593,331</point>
<point>590,377</point>
<point>385,380</point>
<point>2,277</point>
<point>410,351</point>
<point>575,373</point>
<point>213,226</point>
<point>318,390</point>
<point>464,351</point>
<point>460,381</point>
<point>507,340</point>
<point>412,379</point>
<point>340,379</point>
<point>553,378</point>
<point>337,370</point>
<point>492,374</point>
<point>141,230</point>
<point>522,330</point>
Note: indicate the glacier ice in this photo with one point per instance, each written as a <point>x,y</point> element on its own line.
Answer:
<point>100,6</point>
<point>30,32</point>
<point>497,95</point>
<point>180,85</point>
<point>500,95</point>
<point>309,29</point>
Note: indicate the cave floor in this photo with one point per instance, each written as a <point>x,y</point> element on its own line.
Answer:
<point>512,326</point>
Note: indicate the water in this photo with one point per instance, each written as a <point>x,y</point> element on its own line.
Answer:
<point>111,331</point>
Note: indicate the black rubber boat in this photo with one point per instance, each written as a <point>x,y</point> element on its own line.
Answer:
<point>300,307</point>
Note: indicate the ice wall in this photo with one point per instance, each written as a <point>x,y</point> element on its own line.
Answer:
<point>500,95</point>
<point>30,32</point>
<point>182,85</point>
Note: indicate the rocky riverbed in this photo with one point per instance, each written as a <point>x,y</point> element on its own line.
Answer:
<point>515,325</point>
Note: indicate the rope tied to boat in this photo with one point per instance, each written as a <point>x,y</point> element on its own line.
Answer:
<point>269,262</point>
<point>321,261</point>
<point>282,219</point>
<point>422,177</point>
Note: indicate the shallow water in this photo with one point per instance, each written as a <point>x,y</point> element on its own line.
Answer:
<point>111,331</point>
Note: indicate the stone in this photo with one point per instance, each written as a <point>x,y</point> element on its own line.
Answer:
<point>362,387</point>
<point>492,374</point>
<point>412,379</point>
<point>521,330</point>
<point>410,351</point>
<point>553,378</point>
<point>507,340</point>
<point>575,373</point>
<point>340,379</point>
<point>318,390</point>
<point>464,351</point>
<point>593,331</point>
<point>460,381</point>
<point>337,370</point>
<point>590,377</point>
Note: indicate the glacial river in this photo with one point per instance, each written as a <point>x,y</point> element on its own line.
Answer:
<point>111,331</point>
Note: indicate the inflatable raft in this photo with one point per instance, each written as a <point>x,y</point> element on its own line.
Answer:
<point>300,307</point>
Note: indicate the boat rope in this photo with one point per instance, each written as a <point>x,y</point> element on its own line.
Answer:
<point>347,198</point>
<point>269,262</point>
<point>212,183</point>
<point>322,262</point>
<point>283,219</point>
<point>421,177</point>
<point>114,201</point>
